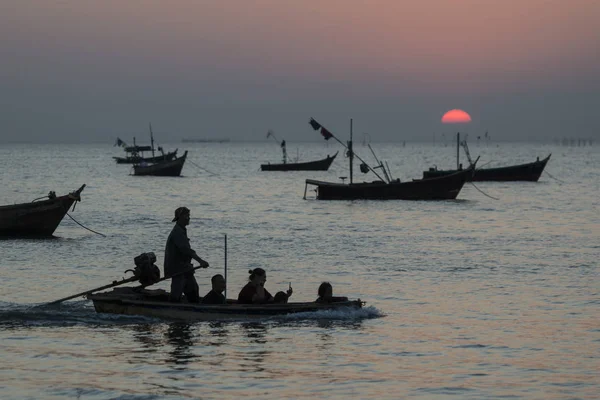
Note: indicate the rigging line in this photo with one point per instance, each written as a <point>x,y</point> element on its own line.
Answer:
<point>484,193</point>
<point>553,177</point>
<point>91,230</point>
<point>203,169</point>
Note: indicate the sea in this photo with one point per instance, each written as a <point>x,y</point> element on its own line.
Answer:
<point>494,295</point>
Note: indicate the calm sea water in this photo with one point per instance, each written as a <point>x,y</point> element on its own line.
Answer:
<point>477,298</point>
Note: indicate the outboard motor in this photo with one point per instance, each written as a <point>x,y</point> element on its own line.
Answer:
<point>145,269</point>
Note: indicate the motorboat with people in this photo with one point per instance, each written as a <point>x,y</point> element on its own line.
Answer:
<point>155,303</point>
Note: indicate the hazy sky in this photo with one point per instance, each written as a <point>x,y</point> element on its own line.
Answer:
<point>85,70</point>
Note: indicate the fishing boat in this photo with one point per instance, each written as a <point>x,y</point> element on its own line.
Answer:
<point>39,218</point>
<point>136,158</point>
<point>318,165</point>
<point>154,303</point>
<point>163,168</point>
<point>385,188</point>
<point>135,153</point>
<point>523,172</point>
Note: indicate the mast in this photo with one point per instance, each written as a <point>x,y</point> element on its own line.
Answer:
<point>350,152</point>
<point>457,150</point>
<point>283,149</point>
<point>151,139</point>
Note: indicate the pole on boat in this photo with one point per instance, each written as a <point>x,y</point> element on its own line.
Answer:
<point>151,139</point>
<point>350,152</point>
<point>225,272</point>
<point>115,283</point>
<point>346,147</point>
<point>121,282</point>
<point>457,150</point>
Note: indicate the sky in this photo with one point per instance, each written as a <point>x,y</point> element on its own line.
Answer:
<point>89,71</point>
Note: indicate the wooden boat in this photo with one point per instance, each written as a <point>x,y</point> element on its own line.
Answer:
<point>154,303</point>
<point>443,188</point>
<point>135,158</point>
<point>135,153</point>
<point>38,218</point>
<point>319,165</point>
<point>163,168</point>
<point>524,172</point>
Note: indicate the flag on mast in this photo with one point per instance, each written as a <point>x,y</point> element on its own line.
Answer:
<point>326,134</point>
<point>315,125</point>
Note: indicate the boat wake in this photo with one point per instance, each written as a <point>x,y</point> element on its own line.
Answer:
<point>341,314</point>
<point>14,315</point>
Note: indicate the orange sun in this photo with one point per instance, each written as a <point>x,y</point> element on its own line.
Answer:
<point>456,117</point>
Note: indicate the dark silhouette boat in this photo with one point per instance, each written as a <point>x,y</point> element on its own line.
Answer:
<point>442,188</point>
<point>318,165</point>
<point>163,168</point>
<point>155,303</point>
<point>135,153</point>
<point>136,158</point>
<point>445,187</point>
<point>38,218</point>
<point>523,172</point>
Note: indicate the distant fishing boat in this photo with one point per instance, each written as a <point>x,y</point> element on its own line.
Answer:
<point>135,153</point>
<point>38,218</point>
<point>523,172</point>
<point>318,165</point>
<point>386,188</point>
<point>162,168</point>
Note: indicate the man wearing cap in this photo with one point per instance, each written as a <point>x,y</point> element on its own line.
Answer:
<point>178,257</point>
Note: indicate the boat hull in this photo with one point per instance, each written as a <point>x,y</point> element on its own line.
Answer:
<point>529,172</point>
<point>129,303</point>
<point>163,168</point>
<point>136,160</point>
<point>319,165</point>
<point>442,188</point>
<point>35,219</point>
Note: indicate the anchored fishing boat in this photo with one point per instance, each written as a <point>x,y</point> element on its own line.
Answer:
<point>523,172</point>
<point>386,188</point>
<point>163,168</point>
<point>38,218</point>
<point>318,165</point>
<point>135,153</point>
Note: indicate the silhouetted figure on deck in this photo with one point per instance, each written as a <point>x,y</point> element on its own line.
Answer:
<point>178,257</point>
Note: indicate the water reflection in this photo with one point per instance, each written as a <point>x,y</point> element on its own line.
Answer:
<point>257,351</point>
<point>180,337</point>
<point>146,335</point>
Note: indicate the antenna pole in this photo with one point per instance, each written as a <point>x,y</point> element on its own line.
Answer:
<point>151,139</point>
<point>350,152</point>
<point>354,155</point>
<point>457,150</point>
<point>225,250</point>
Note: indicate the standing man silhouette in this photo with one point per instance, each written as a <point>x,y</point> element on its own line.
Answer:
<point>178,257</point>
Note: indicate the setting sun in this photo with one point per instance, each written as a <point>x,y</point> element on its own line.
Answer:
<point>456,117</point>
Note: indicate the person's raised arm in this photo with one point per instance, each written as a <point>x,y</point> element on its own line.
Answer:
<point>183,244</point>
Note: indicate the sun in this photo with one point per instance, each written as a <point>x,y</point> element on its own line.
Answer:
<point>456,117</point>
